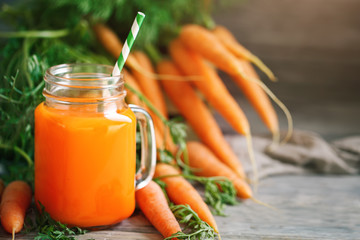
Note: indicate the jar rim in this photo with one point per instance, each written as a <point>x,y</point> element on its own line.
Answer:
<point>102,75</point>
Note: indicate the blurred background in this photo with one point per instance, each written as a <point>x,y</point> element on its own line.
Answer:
<point>313,47</point>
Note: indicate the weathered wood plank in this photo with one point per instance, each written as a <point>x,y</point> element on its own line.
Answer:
<point>309,207</point>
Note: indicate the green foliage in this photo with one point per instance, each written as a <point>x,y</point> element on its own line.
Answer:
<point>219,191</point>
<point>195,228</point>
<point>49,229</point>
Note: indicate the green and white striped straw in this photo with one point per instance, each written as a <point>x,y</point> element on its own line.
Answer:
<point>128,44</point>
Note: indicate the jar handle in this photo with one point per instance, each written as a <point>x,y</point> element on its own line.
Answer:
<point>148,147</point>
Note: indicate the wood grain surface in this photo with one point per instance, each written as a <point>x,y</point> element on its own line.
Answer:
<point>309,207</point>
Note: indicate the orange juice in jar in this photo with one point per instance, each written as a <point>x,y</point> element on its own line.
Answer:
<point>85,147</point>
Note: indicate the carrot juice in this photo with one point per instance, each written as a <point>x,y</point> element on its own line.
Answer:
<point>85,159</point>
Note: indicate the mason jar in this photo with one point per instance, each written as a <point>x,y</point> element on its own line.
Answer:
<point>85,147</point>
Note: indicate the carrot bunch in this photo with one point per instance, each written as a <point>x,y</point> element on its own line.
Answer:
<point>151,80</point>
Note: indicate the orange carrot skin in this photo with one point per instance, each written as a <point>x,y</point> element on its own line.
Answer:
<point>154,205</point>
<point>210,85</point>
<point>257,97</point>
<point>150,86</point>
<point>134,99</point>
<point>130,96</point>
<point>202,41</point>
<point>201,158</point>
<point>108,38</point>
<point>199,117</point>
<point>14,203</point>
<point>226,37</point>
<point>152,90</point>
<point>158,124</point>
<point>180,191</point>
<point>112,44</point>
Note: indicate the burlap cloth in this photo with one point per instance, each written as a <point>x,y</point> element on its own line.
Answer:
<point>306,152</point>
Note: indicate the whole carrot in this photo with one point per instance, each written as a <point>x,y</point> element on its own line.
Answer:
<point>198,116</point>
<point>210,85</point>
<point>230,42</point>
<point>181,192</point>
<point>14,203</point>
<point>154,205</point>
<point>208,165</point>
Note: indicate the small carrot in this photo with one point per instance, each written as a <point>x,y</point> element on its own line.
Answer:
<point>205,43</point>
<point>181,192</point>
<point>230,42</point>
<point>14,203</point>
<point>149,86</point>
<point>210,85</point>
<point>198,116</point>
<point>154,205</point>
<point>208,165</point>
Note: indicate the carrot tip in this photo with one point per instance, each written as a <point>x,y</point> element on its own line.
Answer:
<point>13,234</point>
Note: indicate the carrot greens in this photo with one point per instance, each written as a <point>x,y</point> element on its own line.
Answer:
<point>195,228</point>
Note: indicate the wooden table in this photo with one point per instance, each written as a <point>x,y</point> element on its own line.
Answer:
<point>309,207</point>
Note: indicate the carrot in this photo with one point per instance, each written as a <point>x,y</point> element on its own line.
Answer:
<point>14,203</point>
<point>149,86</point>
<point>205,43</point>
<point>230,42</point>
<point>130,96</point>
<point>211,86</point>
<point>257,97</point>
<point>181,192</point>
<point>198,116</point>
<point>255,90</point>
<point>154,205</point>
<point>208,165</point>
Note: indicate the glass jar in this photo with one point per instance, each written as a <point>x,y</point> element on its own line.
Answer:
<point>85,147</point>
